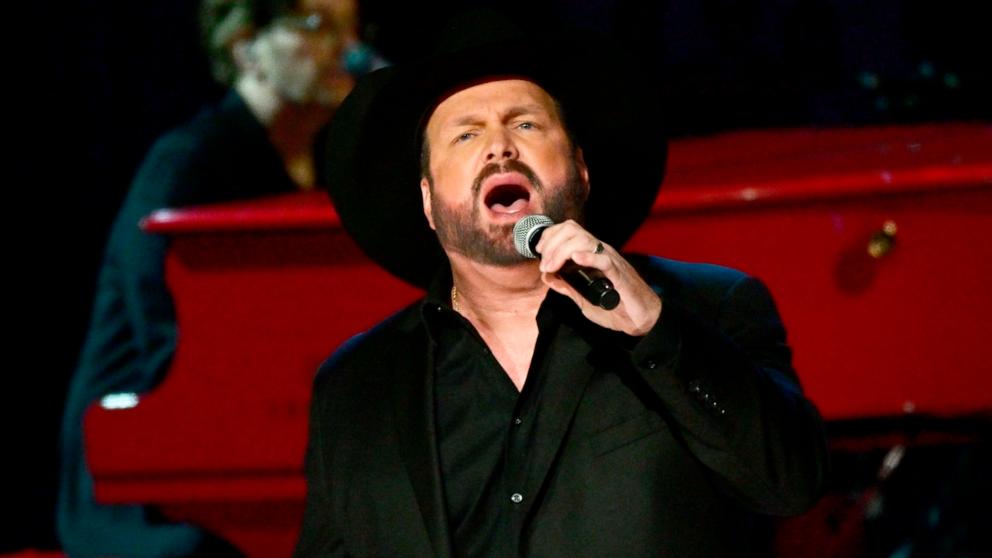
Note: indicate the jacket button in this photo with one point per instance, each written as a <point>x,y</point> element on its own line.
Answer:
<point>651,364</point>
<point>516,498</point>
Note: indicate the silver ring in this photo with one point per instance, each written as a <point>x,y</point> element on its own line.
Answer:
<point>599,248</point>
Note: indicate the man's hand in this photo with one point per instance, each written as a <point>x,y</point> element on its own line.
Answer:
<point>640,306</point>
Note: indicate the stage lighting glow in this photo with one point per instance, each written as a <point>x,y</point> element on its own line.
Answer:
<point>115,401</point>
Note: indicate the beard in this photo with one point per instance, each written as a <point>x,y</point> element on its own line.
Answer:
<point>460,229</point>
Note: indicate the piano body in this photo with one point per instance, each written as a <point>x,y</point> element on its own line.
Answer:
<point>874,242</point>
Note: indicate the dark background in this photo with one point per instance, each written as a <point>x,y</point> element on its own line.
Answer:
<point>103,79</point>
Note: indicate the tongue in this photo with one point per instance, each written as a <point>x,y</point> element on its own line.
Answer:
<point>516,206</point>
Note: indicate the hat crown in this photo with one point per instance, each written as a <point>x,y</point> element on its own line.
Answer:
<point>474,29</point>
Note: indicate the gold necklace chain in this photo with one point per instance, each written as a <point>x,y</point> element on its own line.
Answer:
<point>454,299</point>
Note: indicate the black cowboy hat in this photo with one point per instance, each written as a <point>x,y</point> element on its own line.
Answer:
<point>373,144</point>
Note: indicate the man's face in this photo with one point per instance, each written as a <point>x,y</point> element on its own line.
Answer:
<point>300,54</point>
<point>498,152</point>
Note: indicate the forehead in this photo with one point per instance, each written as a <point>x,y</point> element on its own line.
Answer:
<point>491,97</point>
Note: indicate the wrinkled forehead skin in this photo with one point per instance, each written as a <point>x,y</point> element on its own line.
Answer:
<point>546,98</point>
<point>513,96</point>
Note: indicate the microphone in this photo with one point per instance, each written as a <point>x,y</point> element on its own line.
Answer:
<point>590,283</point>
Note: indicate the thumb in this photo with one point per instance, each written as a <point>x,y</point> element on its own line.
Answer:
<point>559,285</point>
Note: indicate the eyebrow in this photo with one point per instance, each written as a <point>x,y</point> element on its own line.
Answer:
<point>472,119</point>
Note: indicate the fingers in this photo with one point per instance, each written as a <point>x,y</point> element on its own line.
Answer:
<point>556,283</point>
<point>565,241</point>
<point>601,262</point>
<point>640,307</point>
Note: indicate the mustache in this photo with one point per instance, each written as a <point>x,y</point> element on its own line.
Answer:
<point>511,165</point>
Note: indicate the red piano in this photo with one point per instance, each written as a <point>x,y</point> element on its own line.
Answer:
<point>873,240</point>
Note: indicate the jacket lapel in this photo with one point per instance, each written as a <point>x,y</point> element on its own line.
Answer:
<point>579,349</point>
<point>413,403</point>
<point>564,385</point>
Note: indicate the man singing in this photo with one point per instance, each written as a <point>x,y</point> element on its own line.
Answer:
<point>503,414</point>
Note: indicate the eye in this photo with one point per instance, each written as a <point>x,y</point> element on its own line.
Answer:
<point>527,126</point>
<point>464,137</point>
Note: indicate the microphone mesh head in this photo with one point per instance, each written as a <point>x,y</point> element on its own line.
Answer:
<point>524,230</point>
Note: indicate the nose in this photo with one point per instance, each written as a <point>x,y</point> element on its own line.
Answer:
<point>501,147</point>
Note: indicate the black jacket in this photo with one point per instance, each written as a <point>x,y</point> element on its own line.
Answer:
<point>661,448</point>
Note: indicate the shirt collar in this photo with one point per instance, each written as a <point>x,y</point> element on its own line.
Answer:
<point>436,305</point>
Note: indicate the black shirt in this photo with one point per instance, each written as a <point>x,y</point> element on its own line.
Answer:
<point>485,427</point>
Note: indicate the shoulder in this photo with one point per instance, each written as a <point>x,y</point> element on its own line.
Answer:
<point>214,156</point>
<point>212,129</point>
<point>177,159</point>
<point>678,277</point>
<point>215,127</point>
<point>370,357</point>
<point>709,291</point>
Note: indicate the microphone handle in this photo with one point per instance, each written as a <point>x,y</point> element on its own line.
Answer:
<point>591,284</point>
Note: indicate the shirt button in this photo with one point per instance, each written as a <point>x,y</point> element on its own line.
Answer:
<point>516,498</point>
<point>517,421</point>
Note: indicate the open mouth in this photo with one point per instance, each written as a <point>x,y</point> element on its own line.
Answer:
<point>507,198</point>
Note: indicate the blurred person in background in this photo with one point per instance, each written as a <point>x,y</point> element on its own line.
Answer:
<point>288,65</point>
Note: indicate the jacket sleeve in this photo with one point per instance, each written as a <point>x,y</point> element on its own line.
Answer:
<point>135,260</point>
<point>730,391</point>
<point>320,534</point>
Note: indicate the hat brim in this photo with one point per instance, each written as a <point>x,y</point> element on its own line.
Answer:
<point>373,148</point>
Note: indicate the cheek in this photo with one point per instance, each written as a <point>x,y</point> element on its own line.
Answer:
<point>553,165</point>
<point>325,47</point>
<point>453,177</point>
<point>288,45</point>
<point>286,59</point>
